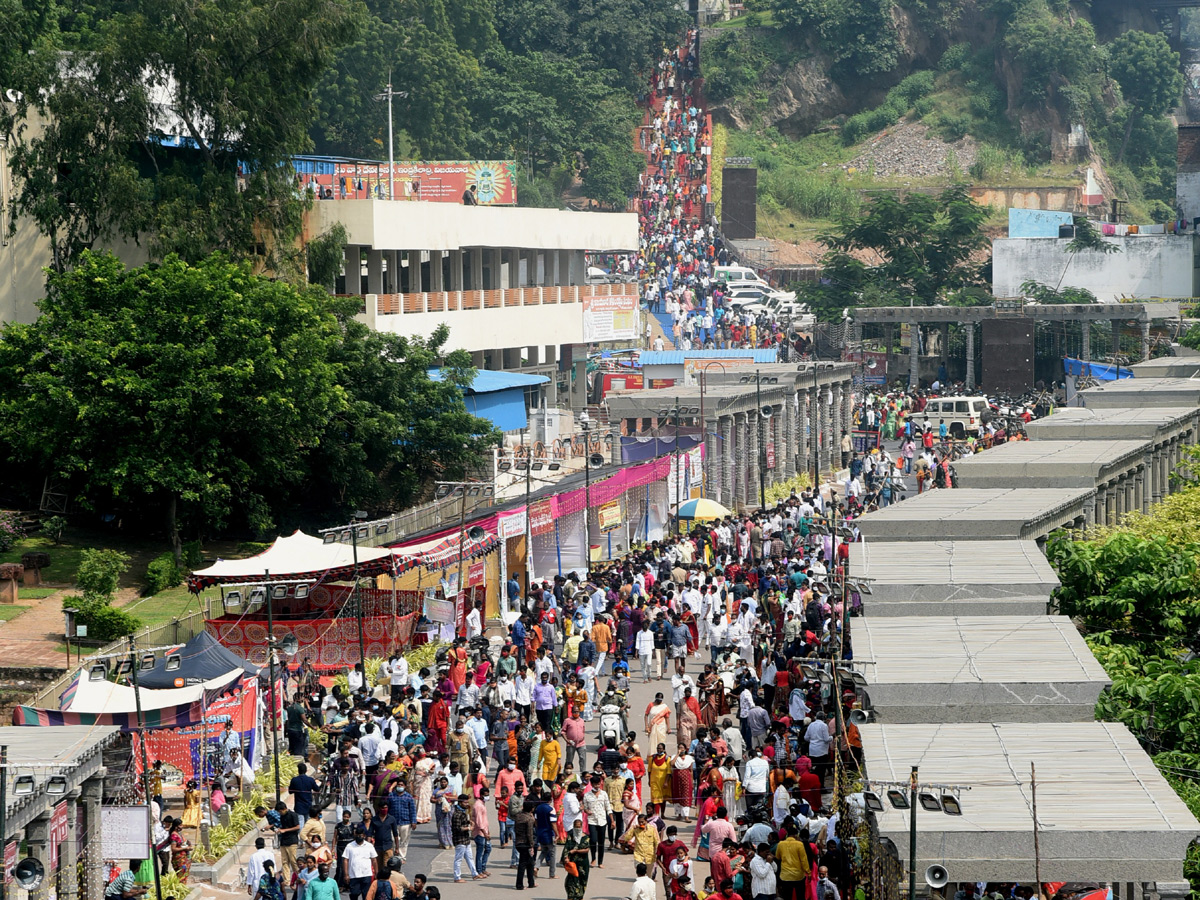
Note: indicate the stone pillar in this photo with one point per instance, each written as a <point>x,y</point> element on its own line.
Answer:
<point>1144,349</point>
<point>914,355</point>
<point>740,446</point>
<point>353,269</point>
<point>944,349</point>
<point>828,439</point>
<point>726,487</point>
<point>1101,516</point>
<point>969,328</point>
<point>495,260</point>
<point>1085,351</point>
<point>1110,504</point>
<point>753,456</point>
<point>375,271</point>
<point>847,406</point>
<point>456,271</point>
<point>1144,476</point>
<point>787,444</point>
<point>37,836</point>
<point>712,457</point>
<point>93,795</point>
<point>890,337</point>
<point>514,268</point>
<point>1119,503</point>
<point>68,858</point>
<point>476,254</point>
<point>436,281</point>
<point>1089,514</point>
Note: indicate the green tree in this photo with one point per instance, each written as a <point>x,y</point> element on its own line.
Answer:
<point>1147,69</point>
<point>924,245</point>
<point>232,78</point>
<point>611,175</point>
<point>1051,50</point>
<point>399,429</point>
<point>196,390</point>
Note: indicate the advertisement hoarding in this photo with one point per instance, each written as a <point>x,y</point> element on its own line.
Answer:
<point>440,181</point>
<point>610,318</point>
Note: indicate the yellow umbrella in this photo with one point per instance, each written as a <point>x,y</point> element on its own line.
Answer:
<point>702,509</point>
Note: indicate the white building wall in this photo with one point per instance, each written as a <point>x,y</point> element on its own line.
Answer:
<point>1146,266</point>
<point>1187,194</point>
<point>487,329</point>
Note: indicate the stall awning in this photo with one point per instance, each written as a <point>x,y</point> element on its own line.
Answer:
<point>442,551</point>
<point>107,697</point>
<point>296,557</point>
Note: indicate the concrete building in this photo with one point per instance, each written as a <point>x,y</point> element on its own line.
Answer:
<point>691,366</point>
<point>980,515</point>
<point>510,282</point>
<point>1167,367</point>
<point>1124,474</point>
<point>978,669</point>
<point>1142,392</point>
<point>809,410</point>
<point>1147,266</point>
<point>73,752</point>
<point>1106,812</point>
<point>953,577</point>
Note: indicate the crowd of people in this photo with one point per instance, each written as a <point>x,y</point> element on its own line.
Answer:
<point>717,788</point>
<point>679,246</point>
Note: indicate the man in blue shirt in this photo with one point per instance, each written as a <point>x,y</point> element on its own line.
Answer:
<point>546,817</point>
<point>301,788</point>
<point>383,835</point>
<point>514,592</point>
<point>518,636</point>
<point>678,636</point>
<point>402,806</point>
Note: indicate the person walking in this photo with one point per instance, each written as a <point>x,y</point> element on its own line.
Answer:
<point>461,838</point>
<point>597,807</point>
<point>525,841</point>
<point>576,855</point>
<point>481,832</point>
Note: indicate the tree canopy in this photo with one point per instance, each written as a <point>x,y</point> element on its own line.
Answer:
<point>224,398</point>
<point>919,247</point>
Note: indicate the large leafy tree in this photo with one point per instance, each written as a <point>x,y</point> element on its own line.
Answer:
<point>914,248</point>
<point>1147,69</point>
<point>232,78</point>
<point>223,399</point>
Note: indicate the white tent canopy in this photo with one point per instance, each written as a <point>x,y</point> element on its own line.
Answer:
<point>297,556</point>
<point>108,697</point>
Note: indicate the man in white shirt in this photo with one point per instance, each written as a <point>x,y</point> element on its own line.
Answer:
<point>644,644</point>
<point>475,621</point>
<point>819,742</point>
<point>255,868</point>
<point>644,887</point>
<point>397,670</point>
<point>762,872</point>
<point>360,864</point>
<point>755,779</point>
<point>354,678</point>
<point>368,746</point>
<point>523,692</point>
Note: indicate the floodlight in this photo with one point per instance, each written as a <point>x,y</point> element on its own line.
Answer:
<point>123,667</point>
<point>330,537</point>
<point>347,536</point>
<point>443,491</point>
<point>23,785</point>
<point>363,533</point>
<point>950,805</point>
<point>98,672</point>
<point>257,597</point>
<point>382,528</point>
<point>873,802</point>
<point>504,465</point>
<point>279,592</point>
<point>234,598</point>
<point>474,491</point>
<point>301,591</point>
<point>809,672</point>
<point>360,514</point>
<point>537,466</point>
<point>174,661</point>
<point>522,465</point>
<point>554,466</point>
<point>897,798</point>
<point>56,784</point>
<point>148,661</point>
<point>929,801</point>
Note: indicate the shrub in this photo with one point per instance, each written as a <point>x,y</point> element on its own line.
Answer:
<point>105,623</point>
<point>10,530</point>
<point>953,128</point>
<point>923,107</point>
<point>856,128</point>
<point>100,573</point>
<point>954,57</point>
<point>193,555</point>
<point>53,528</point>
<point>162,573</point>
<point>912,88</point>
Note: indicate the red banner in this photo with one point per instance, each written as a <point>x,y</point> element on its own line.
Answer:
<point>443,181</point>
<point>183,750</point>
<point>326,643</point>
<point>10,861</point>
<point>58,832</point>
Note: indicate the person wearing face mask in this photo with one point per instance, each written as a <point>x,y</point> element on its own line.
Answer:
<point>359,858</point>
<point>577,850</point>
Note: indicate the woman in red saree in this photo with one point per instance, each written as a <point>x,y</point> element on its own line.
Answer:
<point>439,720</point>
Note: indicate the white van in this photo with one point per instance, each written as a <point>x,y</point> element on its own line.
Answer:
<point>963,415</point>
<point>736,273</point>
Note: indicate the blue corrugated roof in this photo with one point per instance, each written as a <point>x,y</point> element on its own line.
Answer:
<point>487,381</point>
<point>676,357</point>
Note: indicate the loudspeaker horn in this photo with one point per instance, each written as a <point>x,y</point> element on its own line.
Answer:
<point>859,717</point>
<point>29,873</point>
<point>289,645</point>
<point>936,876</point>
<point>766,412</point>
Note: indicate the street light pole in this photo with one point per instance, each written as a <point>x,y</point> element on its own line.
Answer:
<point>762,447</point>
<point>912,835</point>
<point>585,423</point>
<point>271,672</point>
<point>362,647</point>
<point>388,95</point>
<point>141,725</point>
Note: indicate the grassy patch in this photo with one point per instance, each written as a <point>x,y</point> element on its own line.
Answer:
<point>9,612</point>
<point>64,558</point>
<point>164,606</point>
<point>749,20</point>
<point>36,593</point>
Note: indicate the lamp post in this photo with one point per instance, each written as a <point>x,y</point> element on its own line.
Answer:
<point>270,589</point>
<point>141,725</point>
<point>585,422</point>
<point>703,384</point>
<point>388,95</point>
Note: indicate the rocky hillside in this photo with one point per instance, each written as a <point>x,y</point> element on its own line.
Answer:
<point>1015,91</point>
